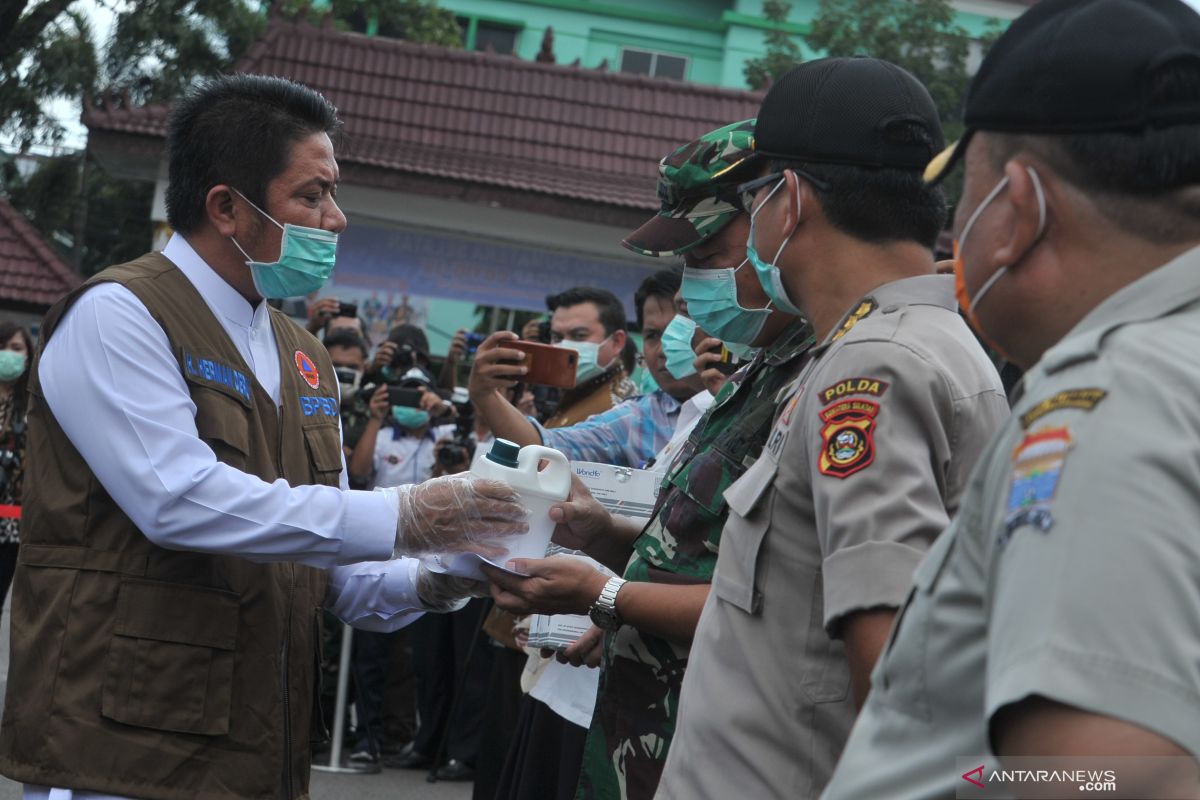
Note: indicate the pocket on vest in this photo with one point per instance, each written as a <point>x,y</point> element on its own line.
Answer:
<point>170,663</point>
<point>223,425</point>
<point>324,452</point>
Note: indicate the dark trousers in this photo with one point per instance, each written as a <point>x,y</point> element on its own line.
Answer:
<point>440,643</point>
<point>8,565</point>
<point>499,719</point>
<point>545,758</point>
<point>384,691</point>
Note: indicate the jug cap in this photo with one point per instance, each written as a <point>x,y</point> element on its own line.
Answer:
<point>504,453</point>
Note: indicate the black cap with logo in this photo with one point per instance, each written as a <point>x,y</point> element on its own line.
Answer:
<point>1080,66</point>
<point>857,111</point>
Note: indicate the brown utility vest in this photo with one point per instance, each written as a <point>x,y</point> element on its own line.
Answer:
<point>155,673</point>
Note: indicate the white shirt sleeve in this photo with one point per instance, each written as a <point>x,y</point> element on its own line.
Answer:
<point>376,595</point>
<point>109,377</point>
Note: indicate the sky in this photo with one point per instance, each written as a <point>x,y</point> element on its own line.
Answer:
<point>67,111</point>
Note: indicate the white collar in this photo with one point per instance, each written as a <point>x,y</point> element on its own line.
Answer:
<point>223,299</point>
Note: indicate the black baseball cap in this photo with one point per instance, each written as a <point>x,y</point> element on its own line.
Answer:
<point>858,111</point>
<point>1079,66</point>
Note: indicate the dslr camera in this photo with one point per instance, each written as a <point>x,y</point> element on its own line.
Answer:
<point>461,447</point>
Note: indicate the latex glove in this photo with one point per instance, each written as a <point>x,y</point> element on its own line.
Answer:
<point>457,514</point>
<point>442,593</point>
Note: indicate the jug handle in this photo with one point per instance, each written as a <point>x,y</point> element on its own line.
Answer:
<point>554,481</point>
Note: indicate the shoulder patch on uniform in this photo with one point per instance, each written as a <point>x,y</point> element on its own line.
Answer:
<point>1081,399</point>
<point>862,312</point>
<point>308,370</point>
<point>854,386</point>
<point>1037,466</point>
<point>848,438</point>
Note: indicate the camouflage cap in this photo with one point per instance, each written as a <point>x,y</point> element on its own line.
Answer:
<point>697,186</point>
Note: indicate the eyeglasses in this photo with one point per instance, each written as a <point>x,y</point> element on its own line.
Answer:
<point>749,190</point>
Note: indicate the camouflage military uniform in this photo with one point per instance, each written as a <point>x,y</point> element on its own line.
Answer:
<point>642,674</point>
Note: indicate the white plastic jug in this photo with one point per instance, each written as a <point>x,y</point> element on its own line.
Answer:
<point>539,489</point>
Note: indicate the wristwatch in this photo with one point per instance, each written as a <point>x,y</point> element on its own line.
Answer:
<point>604,611</point>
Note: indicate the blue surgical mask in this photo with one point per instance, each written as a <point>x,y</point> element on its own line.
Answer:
<point>646,383</point>
<point>306,260</point>
<point>12,364</point>
<point>712,301</point>
<point>587,365</point>
<point>768,274</point>
<point>677,346</point>
<point>410,418</point>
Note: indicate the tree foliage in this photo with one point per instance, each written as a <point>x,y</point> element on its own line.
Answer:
<point>157,49</point>
<point>919,35</point>
<point>782,53</point>
<point>117,227</point>
<point>46,53</point>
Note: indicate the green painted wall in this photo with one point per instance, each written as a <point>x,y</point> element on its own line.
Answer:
<point>716,36</point>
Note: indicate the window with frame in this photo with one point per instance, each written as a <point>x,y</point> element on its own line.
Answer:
<point>656,65</point>
<point>480,34</point>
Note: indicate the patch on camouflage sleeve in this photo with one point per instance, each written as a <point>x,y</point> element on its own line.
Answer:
<point>848,437</point>
<point>1081,399</point>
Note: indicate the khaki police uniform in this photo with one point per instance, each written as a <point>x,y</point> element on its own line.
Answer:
<point>1071,571</point>
<point>864,467</point>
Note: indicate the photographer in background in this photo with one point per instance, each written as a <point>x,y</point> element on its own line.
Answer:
<point>462,346</point>
<point>406,347</point>
<point>397,446</point>
<point>330,314</point>
<point>348,352</point>
<point>15,351</point>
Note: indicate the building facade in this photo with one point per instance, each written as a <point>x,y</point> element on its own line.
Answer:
<point>703,41</point>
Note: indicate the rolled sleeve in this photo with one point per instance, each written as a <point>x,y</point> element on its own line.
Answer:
<point>875,524</point>
<point>889,566</point>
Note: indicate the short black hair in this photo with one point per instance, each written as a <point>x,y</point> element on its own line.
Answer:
<point>238,130</point>
<point>612,313</point>
<point>348,338</point>
<point>1136,179</point>
<point>878,205</point>
<point>663,285</point>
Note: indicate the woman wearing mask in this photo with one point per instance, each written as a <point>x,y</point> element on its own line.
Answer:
<point>15,352</point>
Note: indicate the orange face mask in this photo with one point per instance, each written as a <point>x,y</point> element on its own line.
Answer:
<point>967,303</point>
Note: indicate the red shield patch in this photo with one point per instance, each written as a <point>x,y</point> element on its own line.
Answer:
<point>848,438</point>
<point>308,370</point>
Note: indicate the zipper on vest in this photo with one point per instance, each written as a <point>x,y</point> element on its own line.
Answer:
<point>287,684</point>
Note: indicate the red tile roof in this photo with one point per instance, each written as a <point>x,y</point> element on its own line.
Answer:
<point>31,273</point>
<point>482,118</point>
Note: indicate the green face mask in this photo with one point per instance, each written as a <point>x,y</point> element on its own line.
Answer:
<point>677,345</point>
<point>306,260</point>
<point>12,364</point>
<point>410,418</point>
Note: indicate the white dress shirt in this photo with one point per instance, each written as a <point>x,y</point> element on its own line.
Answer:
<point>690,414</point>
<point>109,376</point>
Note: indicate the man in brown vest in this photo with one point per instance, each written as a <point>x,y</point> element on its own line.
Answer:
<point>187,511</point>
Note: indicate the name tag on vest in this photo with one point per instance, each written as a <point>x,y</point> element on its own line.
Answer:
<point>217,375</point>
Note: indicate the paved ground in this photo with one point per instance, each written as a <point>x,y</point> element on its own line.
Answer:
<point>391,784</point>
